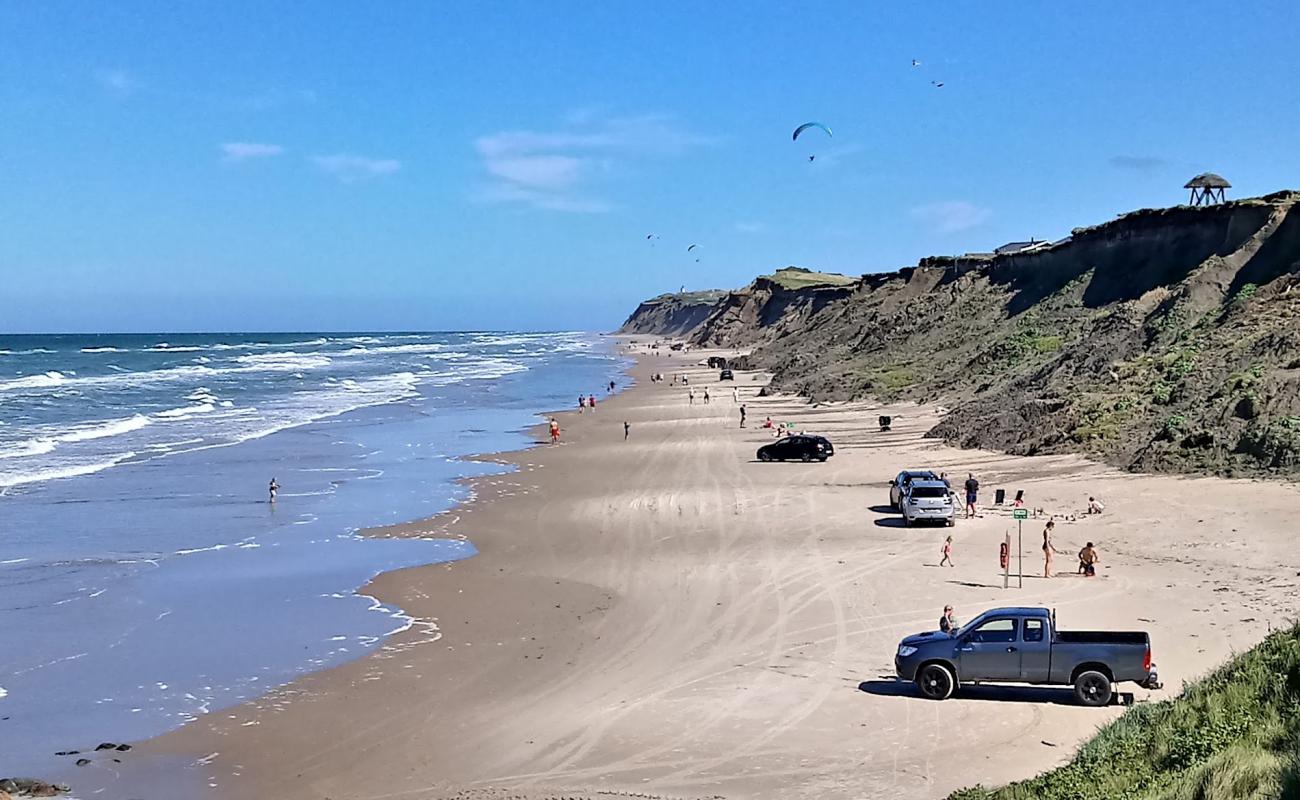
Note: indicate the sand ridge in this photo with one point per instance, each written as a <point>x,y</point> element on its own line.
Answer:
<point>668,617</point>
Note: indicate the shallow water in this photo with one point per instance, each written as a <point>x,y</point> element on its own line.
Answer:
<point>140,595</point>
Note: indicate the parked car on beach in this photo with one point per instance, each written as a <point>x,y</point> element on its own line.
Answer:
<point>800,447</point>
<point>725,375</point>
<point>1023,645</point>
<point>925,500</point>
<point>900,481</point>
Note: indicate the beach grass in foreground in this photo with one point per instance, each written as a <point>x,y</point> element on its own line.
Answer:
<point>1233,735</point>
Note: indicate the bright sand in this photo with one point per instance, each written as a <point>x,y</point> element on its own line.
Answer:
<point>669,617</point>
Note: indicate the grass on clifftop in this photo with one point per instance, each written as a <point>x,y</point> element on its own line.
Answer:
<point>800,278</point>
<point>700,298</point>
<point>1234,735</point>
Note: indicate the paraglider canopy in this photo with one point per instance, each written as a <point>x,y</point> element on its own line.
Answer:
<point>692,247</point>
<point>808,125</point>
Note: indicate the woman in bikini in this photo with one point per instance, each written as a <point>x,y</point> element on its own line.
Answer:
<point>1048,549</point>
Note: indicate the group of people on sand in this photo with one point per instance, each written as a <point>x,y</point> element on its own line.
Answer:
<point>586,403</point>
<point>1088,557</point>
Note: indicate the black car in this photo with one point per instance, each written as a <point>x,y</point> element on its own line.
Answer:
<point>726,375</point>
<point>802,447</point>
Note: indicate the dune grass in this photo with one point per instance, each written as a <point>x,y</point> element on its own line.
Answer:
<point>1233,735</point>
<point>800,278</point>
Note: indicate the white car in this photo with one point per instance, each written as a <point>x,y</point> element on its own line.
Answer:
<point>928,501</point>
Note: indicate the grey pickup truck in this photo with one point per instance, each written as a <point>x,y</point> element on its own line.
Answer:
<point>1023,645</point>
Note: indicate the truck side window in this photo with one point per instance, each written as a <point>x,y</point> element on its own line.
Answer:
<point>1033,630</point>
<point>996,630</point>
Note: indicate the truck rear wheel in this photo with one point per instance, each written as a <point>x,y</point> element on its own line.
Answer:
<point>1093,688</point>
<point>936,681</point>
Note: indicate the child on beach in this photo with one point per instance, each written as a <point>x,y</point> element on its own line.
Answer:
<point>591,402</point>
<point>947,553</point>
<point>555,430</point>
<point>1095,506</point>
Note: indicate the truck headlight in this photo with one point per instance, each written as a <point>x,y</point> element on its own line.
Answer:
<point>905,650</point>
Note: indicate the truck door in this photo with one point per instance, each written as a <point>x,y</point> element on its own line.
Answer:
<point>991,652</point>
<point>1035,651</point>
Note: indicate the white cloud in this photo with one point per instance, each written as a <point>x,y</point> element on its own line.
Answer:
<point>117,81</point>
<point>554,170</point>
<point>951,216</point>
<point>234,152</point>
<point>351,168</point>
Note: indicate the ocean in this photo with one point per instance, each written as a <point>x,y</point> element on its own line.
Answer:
<point>146,580</point>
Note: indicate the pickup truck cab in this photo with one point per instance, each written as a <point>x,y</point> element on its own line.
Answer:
<point>1023,645</point>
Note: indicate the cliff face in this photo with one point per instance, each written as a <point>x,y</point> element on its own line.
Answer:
<point>1162,340</point>
<point>672,314</point>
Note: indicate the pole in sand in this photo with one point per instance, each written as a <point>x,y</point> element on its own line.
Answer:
<point>1020,515</point>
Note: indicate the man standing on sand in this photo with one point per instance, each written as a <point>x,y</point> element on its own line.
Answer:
<point>742,416</point>
<point>972,494</point>
<point>627,428</point>
<point>706,395</point>
<point>582,403</point>
<point>948,623</point>
<point>691,394</point>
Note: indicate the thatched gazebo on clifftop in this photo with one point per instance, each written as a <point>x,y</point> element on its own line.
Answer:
<point>1207,189</point>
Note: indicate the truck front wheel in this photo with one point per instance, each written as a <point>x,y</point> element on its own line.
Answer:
<point>936,681</point>
<point>1093,688</point>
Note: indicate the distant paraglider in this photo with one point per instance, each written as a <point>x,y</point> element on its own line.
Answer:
<point>692,247</point>
<point>812,157</point>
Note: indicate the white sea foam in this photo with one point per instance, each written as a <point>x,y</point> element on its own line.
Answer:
<point>102,350</point>
<point>29,448</point>
<point>186,411</point>
<point>57,473</point>
<point>103,430</point>
<point>3,693</point>
<point>44,381</point>
<point>287,361</point>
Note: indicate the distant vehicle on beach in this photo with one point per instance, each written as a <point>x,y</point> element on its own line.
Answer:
<point>928,501</point>
<point>900,481</point>
<point>803,447</point>
<point>717,362</point>
<point>1023,645</point>
<point>726,375</point>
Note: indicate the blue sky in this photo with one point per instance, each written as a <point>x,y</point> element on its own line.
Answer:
<point>436,165</point>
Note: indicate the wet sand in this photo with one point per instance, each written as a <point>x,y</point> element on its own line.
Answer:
<point>668,617</point>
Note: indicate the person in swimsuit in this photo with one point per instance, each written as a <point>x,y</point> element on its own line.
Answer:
<point>627,428</point>
<point>555,430</point>
<point>275,489</point>
<point>947,553</point>
<point>1048,549</point>
<point>1088,560</point>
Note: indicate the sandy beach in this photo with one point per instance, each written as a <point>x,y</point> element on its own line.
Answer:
<point>667,617</point>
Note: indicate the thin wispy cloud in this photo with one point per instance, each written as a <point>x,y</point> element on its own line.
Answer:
<point>234,152</point>
<point>116,81</point>
<point>951,216</point>
<point>750,227</point>
<point>561,170</point>
<point>1138,163</point>
<point>350,168</point>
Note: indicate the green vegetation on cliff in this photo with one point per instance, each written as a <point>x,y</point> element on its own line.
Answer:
<point>800,278</point>
<point>1234,735</point>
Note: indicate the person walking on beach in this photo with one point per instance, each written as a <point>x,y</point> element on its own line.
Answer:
<point>611,387</point>
<point>275,489</point>
<point>706,395</point>
<point>742,416</point>
<point>582,403</point>
<point>555,430</point>
<point>591,402</point>
<point>972,494</point>
<point>1048,549</point>
<point>691,394</point>
<point>627,428</point>
<point>1088,560</point>
<point>735,395</point>
<point>947,553</point>
<point>948,623</point>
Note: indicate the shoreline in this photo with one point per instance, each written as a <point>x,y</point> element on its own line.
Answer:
<point>581,615</point>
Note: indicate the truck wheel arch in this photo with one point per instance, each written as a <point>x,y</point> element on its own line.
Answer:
<point>1091,666</point>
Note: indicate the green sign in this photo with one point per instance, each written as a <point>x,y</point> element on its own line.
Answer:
<point>1020,513</point>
